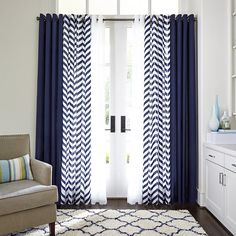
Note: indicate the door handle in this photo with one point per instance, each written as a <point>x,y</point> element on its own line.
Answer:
<point>224,180</point>
<point>112,124</point>
<point>221,178</point>
<point>211,156</point>
<point>123,125</point>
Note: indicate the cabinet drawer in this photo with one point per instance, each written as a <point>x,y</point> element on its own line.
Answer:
<point>214,156</point>
<point>230,163</point>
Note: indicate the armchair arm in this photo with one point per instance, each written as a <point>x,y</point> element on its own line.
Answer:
<point>42,172</point>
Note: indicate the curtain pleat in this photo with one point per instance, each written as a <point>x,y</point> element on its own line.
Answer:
<point>135,166</point>
<point>183,110</point>
<point>76,136</point>
<point>156,159</point>
<point>98,132</point>
<point>49,94</point>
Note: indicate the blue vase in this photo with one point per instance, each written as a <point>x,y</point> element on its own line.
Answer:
<point>214,122</point>
<point>217,108</point>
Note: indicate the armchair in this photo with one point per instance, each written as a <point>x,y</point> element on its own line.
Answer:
<point>26,203</point>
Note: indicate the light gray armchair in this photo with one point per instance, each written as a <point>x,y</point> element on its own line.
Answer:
<point>26,203</point>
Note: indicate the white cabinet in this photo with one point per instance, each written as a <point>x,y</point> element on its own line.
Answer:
<point>221,187</point>
<point>214,188</point>
<point>230,200</point>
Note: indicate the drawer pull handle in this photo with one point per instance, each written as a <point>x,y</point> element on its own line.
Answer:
<point>234,165</point>
<point>220,178</point>
<point>212,156</point>
<point>224,180</point>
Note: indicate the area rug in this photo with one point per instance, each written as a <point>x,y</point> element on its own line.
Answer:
<point>103,222</point>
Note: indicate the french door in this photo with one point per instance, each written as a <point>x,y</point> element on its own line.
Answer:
<point>118,106</point>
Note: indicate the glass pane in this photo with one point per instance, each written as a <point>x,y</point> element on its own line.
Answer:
<point>103,7</point>
<point>107,77</point>
<point>72,6</point>
<point>128,82</point>
<point>107,43</point>
<point>129,45</point>
<point>164,6</point>
<point>133,7</point>
<point>107,96</point>
<point>107,157</point>
<point>129,72</point>
<point>128,158</point>
<point>107,117</point>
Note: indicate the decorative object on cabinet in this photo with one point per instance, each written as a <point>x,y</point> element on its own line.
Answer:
<point>225,121</point>
<point>217,108</point>
<point>214,122</point>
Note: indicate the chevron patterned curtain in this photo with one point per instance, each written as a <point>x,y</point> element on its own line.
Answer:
<point>156,170</point>
<point>76,147</point>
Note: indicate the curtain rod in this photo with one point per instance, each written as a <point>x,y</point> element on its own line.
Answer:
<point>110,19</point>
<point>127,19</point>
<point>119,19</point>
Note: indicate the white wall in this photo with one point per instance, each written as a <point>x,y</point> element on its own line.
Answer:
<point>189,6</point>
<point>213,65</point>
<point>18,64</point>
<point>71,6</point>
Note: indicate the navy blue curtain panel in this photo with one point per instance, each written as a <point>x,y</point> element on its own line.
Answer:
<point>183,109</point>
<point>49,94</point>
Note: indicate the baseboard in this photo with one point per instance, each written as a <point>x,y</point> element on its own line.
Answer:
<point>201,199</point>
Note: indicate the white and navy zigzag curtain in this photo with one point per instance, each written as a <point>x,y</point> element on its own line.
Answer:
<point>76,134</point>
<point>156,169</point>
<point>63,131</point>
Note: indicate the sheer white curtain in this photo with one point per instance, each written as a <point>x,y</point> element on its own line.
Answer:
<point>98,152</point>
<point>135,167</point>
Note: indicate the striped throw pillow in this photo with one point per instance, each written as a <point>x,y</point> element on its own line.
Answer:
<point>15,169</point>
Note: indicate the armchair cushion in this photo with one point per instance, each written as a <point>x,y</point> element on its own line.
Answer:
<point>15,169</point>
<point>25,194</point>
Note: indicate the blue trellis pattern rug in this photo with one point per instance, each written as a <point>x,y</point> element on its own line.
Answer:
<point>104,222</point>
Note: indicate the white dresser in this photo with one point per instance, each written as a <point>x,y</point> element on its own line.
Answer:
<point>221,183</point>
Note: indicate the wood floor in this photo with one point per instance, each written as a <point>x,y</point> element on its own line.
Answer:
<point>209,223</point>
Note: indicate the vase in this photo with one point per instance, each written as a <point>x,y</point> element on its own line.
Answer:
<point>214,122</point>
<point>217,108</point>
<point>225,121</point>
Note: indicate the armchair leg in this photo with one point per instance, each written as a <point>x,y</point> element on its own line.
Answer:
<point>52,229</point>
